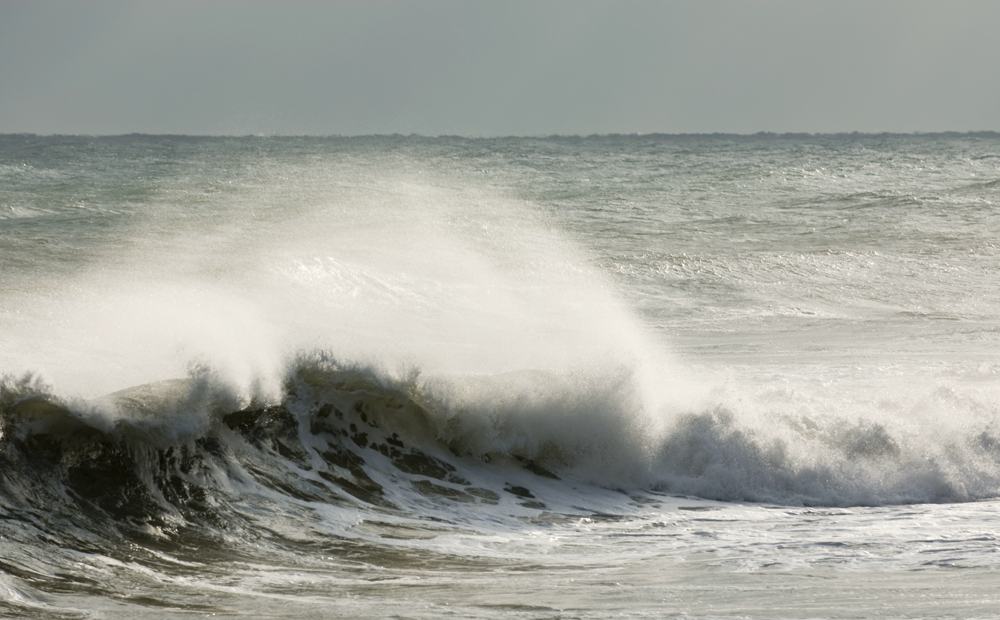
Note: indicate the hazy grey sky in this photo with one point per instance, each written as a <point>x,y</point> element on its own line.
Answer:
<point>503,67</point>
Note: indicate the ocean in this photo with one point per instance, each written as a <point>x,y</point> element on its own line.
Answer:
<point>693,376</point>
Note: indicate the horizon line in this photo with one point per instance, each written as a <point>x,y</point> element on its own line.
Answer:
<point>655,134</point>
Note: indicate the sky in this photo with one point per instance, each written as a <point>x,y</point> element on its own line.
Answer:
<point>510,67</point>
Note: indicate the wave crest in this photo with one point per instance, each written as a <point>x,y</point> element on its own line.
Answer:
<point>168,454</point>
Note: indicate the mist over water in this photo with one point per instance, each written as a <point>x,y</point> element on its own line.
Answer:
<point>243,338</point>
<point>379,266</point>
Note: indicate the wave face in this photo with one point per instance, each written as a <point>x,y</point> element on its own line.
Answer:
<point>327,356</point>
<point>169,454</point>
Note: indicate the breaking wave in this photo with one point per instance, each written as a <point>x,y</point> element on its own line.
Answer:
<point>192,458</point>
<point>397,354</point>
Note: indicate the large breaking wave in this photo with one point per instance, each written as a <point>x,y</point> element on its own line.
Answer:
<point>191,457</point>
<point>477,359</point>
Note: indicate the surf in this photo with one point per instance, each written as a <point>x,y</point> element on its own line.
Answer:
<point>497,331</point>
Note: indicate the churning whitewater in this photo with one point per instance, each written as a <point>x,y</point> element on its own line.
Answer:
<point>413,376</point>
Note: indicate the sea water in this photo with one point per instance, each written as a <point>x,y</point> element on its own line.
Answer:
<point>609,376</point>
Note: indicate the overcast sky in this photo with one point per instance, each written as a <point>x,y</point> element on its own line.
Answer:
<point>498,68</point>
